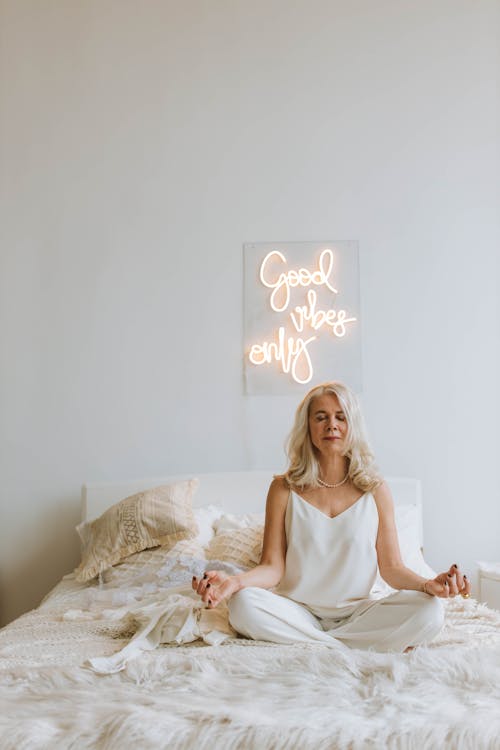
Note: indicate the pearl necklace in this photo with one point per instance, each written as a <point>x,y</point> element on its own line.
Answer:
<point>331,486</point>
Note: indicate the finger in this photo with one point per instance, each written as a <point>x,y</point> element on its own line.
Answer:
<point>459,576</point>
<point>209,576</point>
<point>446,588</point>
<point>442,580</point>
<point>213,599</point>
<point>202,584</point>
<point>452,583</point>
<point>216,594</point>
<point>467,586</point>
<point>211,593</point>
<point>213,575</point>
<point>208,592</point>
<point>441,591</point>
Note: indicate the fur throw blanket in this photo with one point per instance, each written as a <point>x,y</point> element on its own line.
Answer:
<point>246,695</point>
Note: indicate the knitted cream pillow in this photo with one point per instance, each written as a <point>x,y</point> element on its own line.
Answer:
<point>242,547</point>
<point>160,516</point>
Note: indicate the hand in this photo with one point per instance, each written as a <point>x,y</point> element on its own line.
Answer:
<point>215,586</point>
<point>448,584</point>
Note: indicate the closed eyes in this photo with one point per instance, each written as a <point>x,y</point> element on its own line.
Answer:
<point>321,417</point>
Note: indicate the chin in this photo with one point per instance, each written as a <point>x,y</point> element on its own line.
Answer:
<point>330,450</point>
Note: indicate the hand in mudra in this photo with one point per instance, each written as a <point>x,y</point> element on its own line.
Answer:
<point>214,587</point>
<point>449,584</point>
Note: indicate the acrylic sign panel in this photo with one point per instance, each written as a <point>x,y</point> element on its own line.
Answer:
<point>302,316</point>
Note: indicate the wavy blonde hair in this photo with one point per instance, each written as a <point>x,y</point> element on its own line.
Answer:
<point>303,467</point>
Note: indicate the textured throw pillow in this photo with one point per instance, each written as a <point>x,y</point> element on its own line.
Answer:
<point>240,546</point>
<point>160,516</point>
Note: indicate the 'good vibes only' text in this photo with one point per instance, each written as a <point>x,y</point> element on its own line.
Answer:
<point>291,352</point>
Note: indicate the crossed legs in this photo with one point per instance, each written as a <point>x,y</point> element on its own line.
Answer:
<point>394,623</point>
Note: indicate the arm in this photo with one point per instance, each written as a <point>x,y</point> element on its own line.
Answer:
<point>393,570</point>
<point>391,566</point>
<point>217,586</point>
<point>270,569</point>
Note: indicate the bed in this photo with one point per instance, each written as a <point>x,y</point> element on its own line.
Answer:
<point>217,689</point>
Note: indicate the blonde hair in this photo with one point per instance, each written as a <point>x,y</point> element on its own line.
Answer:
<point>303,468</point>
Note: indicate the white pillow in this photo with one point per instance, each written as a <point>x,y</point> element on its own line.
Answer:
<point>229,521</point>
<point>408,526</point>
<point>205,517</point>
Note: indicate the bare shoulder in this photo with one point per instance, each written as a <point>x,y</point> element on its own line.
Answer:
<point>279,491</point>
<point>274,543</point>
<point>383,498</point>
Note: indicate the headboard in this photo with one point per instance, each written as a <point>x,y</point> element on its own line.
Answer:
<point>235,491</point>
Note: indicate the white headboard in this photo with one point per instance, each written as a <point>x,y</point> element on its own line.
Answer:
<point>236,492</point>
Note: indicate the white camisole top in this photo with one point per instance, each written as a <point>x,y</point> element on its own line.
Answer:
<point>331,563</point>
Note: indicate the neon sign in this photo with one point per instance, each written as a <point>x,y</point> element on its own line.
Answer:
<point>290,351</point>
<point>302,277</point>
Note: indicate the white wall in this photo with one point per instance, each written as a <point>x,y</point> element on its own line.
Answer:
<point>141,144</point>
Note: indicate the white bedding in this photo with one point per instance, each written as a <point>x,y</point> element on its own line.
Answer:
<point>240,694</point>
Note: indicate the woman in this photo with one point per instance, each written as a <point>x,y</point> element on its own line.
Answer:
<point>329,526</point>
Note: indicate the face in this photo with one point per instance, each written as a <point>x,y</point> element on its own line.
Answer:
<point>327,424</point>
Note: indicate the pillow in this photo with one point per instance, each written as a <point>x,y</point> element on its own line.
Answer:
<point>206,517</point>
<point>228,521</point>
<point>408,521</point>
<point>151,562</point>
<point>160,516</point>
<point>240,546</point>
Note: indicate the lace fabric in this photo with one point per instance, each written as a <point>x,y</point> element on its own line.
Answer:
<point>107,596</point>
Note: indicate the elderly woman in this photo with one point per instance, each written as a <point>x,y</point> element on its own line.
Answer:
<point>329,527</point>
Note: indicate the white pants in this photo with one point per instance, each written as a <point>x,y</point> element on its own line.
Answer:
<point>402,619</point>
